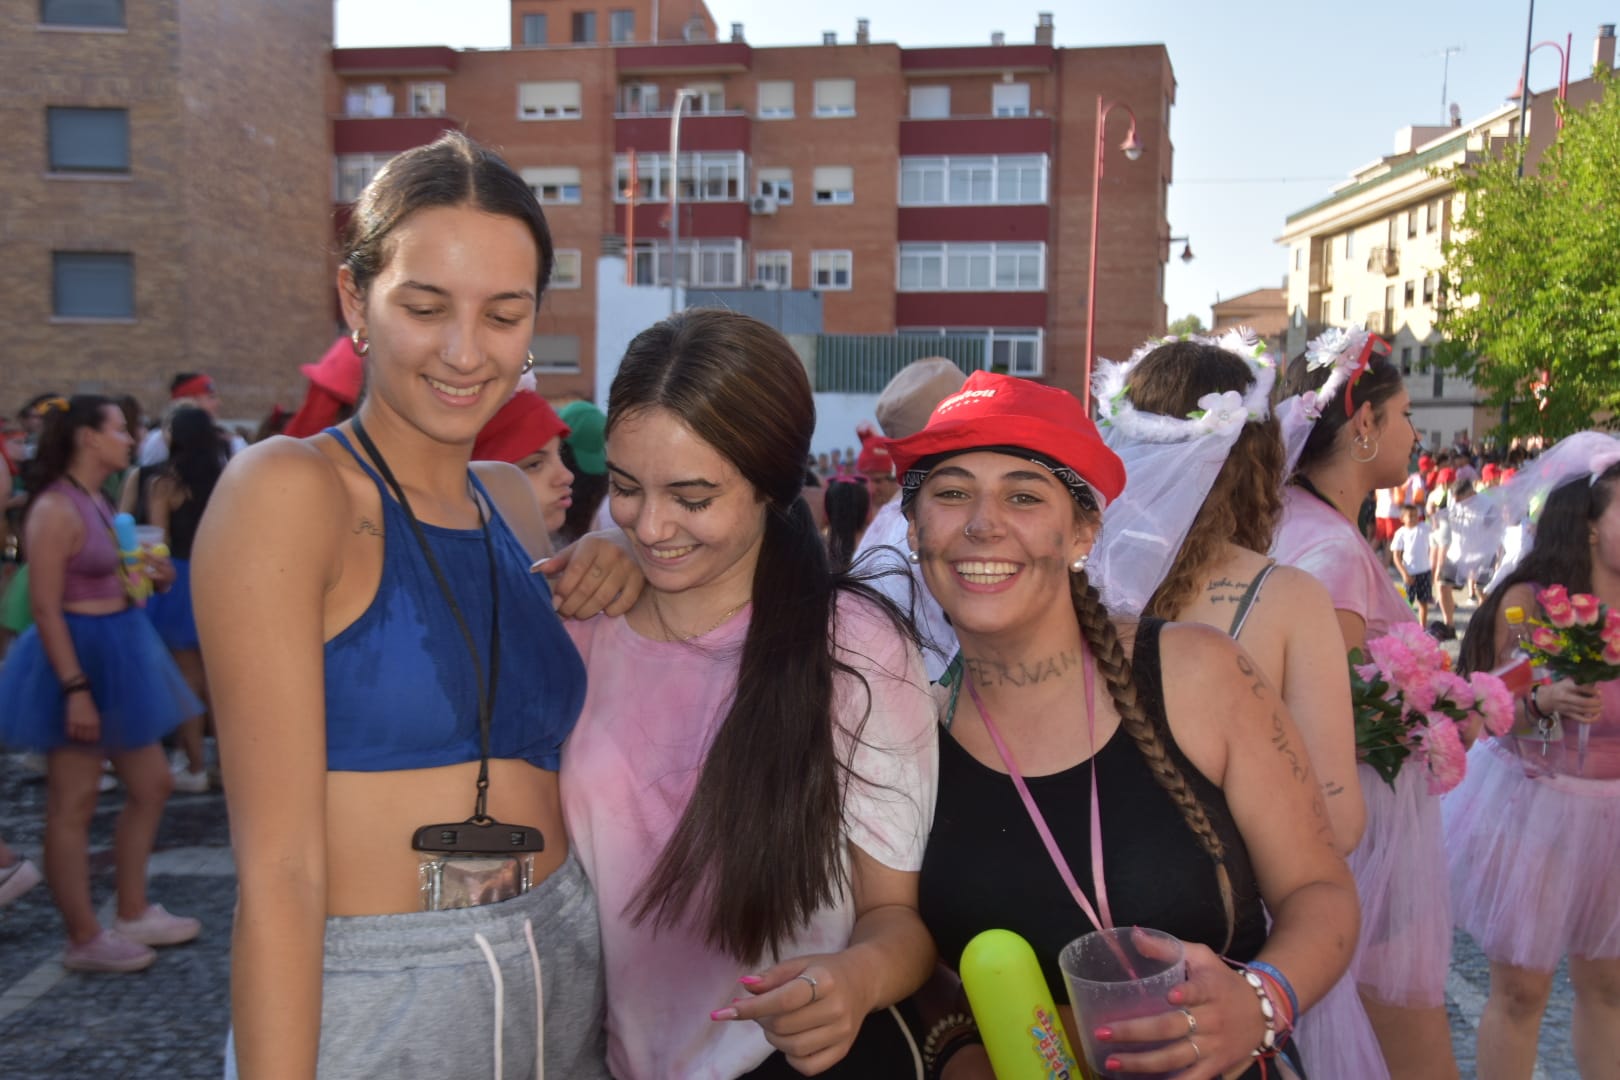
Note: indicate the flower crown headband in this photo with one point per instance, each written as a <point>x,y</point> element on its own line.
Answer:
<point>1221,413</point>
<point>1348,351</point>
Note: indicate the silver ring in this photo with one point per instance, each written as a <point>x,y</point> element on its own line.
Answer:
<point>1197,1055</point>
<point>1192,1022</point>
<point>812,982</point>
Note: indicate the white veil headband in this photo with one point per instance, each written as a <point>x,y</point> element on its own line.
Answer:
<point>1583,455</point>
<point>1347,351</point>
<point>1171,463</point>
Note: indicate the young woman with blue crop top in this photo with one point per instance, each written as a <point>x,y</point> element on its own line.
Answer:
<point>366,606</point>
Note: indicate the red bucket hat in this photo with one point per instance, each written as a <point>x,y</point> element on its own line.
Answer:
<point>524,425</point>
<point>1009,415</point>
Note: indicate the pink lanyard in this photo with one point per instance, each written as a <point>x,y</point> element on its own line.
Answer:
<point>1062,864</point>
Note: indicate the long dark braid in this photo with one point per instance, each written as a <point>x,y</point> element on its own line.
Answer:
<point>1103,639</point>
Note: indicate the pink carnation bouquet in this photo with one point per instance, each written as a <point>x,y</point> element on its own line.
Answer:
<point>1410,704</point>
<point>1578,639</point>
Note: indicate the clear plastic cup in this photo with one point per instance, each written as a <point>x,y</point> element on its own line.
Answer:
<point>1110,980</point>
<point>148,536</point>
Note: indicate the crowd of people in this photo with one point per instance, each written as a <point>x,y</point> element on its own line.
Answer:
<point>754,741</point>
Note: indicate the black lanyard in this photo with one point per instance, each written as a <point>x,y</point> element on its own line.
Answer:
<point>486,688</point>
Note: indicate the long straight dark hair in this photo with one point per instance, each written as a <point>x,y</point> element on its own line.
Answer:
<point>197,453</point>
<point>760,847</point>
<point>1560,555</point>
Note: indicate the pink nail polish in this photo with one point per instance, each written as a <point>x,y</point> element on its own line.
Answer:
<point>723,1014</point>
<point>1112,1064</point>
<point>1177,997</point>
<point>750,980</point>
<point>1105,1033</point>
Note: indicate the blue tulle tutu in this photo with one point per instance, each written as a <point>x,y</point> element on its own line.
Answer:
<point>138,690</point>
<point>171,612</point>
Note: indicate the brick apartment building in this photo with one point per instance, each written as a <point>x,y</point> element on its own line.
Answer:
<point>164,195</point>
<point>915,190</point>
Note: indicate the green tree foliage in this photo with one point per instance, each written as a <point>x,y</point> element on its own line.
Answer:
<point>1533,273</point>
<point>1187,324</point>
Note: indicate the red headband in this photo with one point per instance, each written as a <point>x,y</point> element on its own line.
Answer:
<point>196,386</point>
<point>1373,342</point>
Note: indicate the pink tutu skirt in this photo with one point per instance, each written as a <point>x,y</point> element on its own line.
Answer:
<point>1535,864</point>
<point>1336,1039</point>
<point>1400,871</point>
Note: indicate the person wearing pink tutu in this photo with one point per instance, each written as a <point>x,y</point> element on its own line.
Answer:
<point>1348,431</point>
<point>1188,540</point>
<point>1534,837</point>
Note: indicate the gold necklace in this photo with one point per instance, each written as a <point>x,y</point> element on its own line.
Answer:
<point>721,621</point>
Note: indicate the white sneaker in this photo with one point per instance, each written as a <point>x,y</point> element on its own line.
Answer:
<point>187,782</point>
<point>157,927</point>
<point>17,879</point>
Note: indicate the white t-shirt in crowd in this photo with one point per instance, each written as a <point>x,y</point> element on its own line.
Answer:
<point>1411,545</point>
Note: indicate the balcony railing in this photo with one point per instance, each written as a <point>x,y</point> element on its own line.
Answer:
<point>864,363</point>
<point>1321,276</point>
<point>1386,260</point>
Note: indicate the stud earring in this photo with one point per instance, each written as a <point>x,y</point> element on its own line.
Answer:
<point>361,345</point>
<point>1079,565</point>
<point>913,558</point>
<point>528,365</point>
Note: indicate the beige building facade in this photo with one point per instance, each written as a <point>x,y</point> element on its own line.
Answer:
<point>1371,252</point>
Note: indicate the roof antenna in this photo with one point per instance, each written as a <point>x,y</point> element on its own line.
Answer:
<point>1445,76</point>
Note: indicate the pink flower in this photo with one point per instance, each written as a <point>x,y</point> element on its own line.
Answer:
<point>1588,609</point>
<point>1395,660</point>
<point>1611,652</point>
<point>1447,759</point>
<point>1611,622</point>
<point>1453,688</point>
<point>1555,602</point>
<point>1547,641</point>
<point>1493,701</point>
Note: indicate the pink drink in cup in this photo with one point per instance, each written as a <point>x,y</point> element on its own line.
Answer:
<point>1111,980</point>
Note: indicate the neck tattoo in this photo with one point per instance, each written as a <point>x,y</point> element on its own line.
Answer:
<point>989,673</point>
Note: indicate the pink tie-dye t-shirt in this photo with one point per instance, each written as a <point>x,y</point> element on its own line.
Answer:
<point>651,711</point>
<point>1316,538</point>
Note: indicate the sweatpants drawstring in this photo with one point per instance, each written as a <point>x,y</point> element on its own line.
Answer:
<point>539,1004</point>
<point>500,995</point>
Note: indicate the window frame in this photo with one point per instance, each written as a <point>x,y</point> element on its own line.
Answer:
<point>371,163</point>
<point>818,260</point>
<point>653,173</point>
<point>122,23</point>
<point>912,101</point>
<point>779,259</point>
<point>699,253</point>
<point>640,92</point>
<point>568,192</point>
<point>1011,111</point>
<point>544,25</point>
<point>772,187</point>
<point>614,15</point>
<point>833,111</point>
<point>835,196</point>
<point>773,112</point>
<point>59,262</point>
<point>947,171</point>
<point>410,96</point>
<point>558,257</point>
<point>950,259</point>
<point>565,112</point>
<point>55,167</point>
<point>582,20</point>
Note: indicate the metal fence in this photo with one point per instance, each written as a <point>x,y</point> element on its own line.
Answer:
<point>864,363</point>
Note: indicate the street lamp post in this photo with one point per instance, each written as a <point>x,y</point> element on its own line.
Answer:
<point>1523,93</point>
<point>681,97</point>
<point>1132,150</point>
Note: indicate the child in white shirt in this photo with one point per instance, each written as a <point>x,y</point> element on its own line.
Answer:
<point>1410,547</point>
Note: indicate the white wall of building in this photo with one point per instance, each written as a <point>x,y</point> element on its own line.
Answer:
<point>622,312</point>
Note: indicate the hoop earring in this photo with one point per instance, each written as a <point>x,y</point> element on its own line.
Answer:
<point>1079,565</point>
<point>1361,440</point>
<point>528,365</point>
<point>361,345</point>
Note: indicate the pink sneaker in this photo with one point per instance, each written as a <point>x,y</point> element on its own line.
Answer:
<point>17,879</point>
<point>158,927</point>
<point>108,951</point>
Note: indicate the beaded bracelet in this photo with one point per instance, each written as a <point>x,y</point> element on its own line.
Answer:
<point>948,1035</point>
<point>1268,1012</point>
<point>79,684</point>
<point>1282,981</point>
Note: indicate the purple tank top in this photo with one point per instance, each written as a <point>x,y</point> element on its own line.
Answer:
<point>92,573</point>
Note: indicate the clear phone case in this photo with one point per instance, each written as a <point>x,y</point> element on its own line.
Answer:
<point>462,881</point>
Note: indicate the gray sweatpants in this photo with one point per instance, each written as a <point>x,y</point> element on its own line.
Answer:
<point>442,995</point>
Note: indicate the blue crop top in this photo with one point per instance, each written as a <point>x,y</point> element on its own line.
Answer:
<point>400,688</point>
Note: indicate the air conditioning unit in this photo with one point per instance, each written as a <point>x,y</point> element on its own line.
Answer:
<point>762,204</point>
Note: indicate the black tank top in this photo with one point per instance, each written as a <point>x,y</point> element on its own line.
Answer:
<point>986,866</point>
